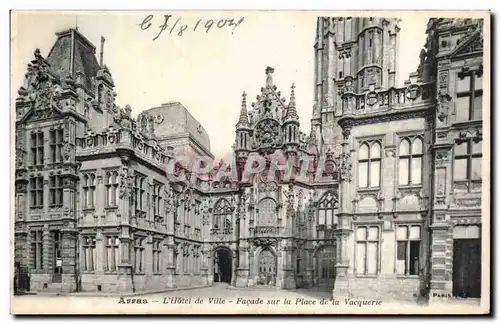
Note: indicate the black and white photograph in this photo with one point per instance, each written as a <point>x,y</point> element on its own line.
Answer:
<point>250,162</point>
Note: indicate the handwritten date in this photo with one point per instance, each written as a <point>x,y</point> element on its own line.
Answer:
<point>174,26</point>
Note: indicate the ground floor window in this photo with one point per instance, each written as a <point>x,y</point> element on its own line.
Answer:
<point>408,249</point>
<point>139,254</point>
<point>37,249</point>
<point>89,245</point>
<point>112,255</point>
<point>367,250</point>
<point>156,256</point>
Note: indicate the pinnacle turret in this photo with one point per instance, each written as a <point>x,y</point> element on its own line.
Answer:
<point>243,121</point>
<point>291,112</point>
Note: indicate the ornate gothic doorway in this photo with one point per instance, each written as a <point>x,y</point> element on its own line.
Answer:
<point>267,268</point>
<point>326,266</point>
<point>223,265</point>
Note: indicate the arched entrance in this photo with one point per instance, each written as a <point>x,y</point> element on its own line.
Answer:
<point>267,268</point>
<point>325,267</point>
<point>223,265</point>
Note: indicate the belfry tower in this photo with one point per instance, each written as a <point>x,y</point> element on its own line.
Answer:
<point>350,54</point>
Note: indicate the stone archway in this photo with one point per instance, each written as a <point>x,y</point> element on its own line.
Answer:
<point>325,266</point>
<point>223,265</point>
<point>267,267</point>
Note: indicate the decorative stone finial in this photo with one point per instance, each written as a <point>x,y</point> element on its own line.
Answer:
<point>269,73</point>
<point>244,99</point>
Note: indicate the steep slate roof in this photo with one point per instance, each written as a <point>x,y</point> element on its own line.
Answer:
<point>72,52</point>
<point>175,119</point>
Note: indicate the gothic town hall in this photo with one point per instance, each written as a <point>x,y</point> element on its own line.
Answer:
<point>395,210</point>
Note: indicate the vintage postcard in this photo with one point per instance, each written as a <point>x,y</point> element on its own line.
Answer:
<point>250,162</point>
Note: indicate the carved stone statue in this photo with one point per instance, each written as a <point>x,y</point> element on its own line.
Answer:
<point>66,151</point>
<point>125,183</point>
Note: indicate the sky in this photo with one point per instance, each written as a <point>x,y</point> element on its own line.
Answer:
<point>207,68</point>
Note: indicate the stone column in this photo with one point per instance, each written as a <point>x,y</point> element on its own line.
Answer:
<point>251,268</point>
<point>205,265</point>
<point>234,266</point>
<point>68,254</point>
<point>308,257</point>
<point>441,230</point>
<point>243,270</point>
<point>48,266</point>
<point>101,261</point>
<point>21,231</point>
<point>168,265</point>
<point>361,53</point>
<point>288,268</point>
<point>125,283</point>
<point>100,198</point>
<point>378,47</point>
<point>369,49</point>
<point>343,228</point>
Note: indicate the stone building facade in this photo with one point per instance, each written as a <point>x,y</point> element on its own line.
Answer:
<point>381,198</point>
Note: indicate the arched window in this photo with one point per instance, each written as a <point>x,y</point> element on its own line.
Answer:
<point>89,184</point>
<point>139,194</point>
<point>157,201</point>
<point>85,186</point>
<point>267,215</point>
<point>369,159</point>
<point>111,183</point>
<point>410,161</point>
<point>222,214</point>
<point>367,250</point>
<point>326,210</point>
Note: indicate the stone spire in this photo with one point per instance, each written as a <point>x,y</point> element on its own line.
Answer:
<point>243,121</point>
<point>269,73</point>
<point>291,112</point>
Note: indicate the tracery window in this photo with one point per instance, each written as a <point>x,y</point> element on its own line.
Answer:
<point>111,183</point>
<point>89,255</point>
<point>267,215</point>
<point>139,254</point>
<point>222,214</point>
<point>326,210</point>
<point>157,256</point>
<point>367,250</point>
<point>140,189</point>
<point>112,255</point>
<point>89,190</point>
<point>369,164</point>
<point>410,161</point>
<point>157,201</point>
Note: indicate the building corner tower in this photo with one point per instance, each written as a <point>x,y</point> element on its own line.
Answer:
<point>351,55</point>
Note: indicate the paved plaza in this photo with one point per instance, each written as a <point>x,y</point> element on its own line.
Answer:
<point>224,299</point>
